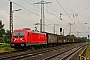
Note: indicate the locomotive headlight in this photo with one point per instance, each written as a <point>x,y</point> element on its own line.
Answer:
<point>14,39</point>
<point>22,38</point>
<point>12,44</point>
<point>22,44</point>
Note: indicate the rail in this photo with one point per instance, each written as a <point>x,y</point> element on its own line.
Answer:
<point>66,55</point>
<point>40,54</point>
<point>83,54</point>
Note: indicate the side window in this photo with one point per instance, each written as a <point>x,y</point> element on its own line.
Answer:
<point>28,34</point>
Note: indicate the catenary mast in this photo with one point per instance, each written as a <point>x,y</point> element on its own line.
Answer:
<point>42,20</point>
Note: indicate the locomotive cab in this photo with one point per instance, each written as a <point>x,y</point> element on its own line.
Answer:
<point>19,37</point>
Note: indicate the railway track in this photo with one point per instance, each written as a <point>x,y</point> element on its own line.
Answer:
<point>39,54</point>
<point>23,54</point>
<point>65,55</point>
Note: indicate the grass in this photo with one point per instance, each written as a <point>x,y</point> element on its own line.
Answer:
<point>62,49</point>
<point>88,51</point>
<point>5,48</point>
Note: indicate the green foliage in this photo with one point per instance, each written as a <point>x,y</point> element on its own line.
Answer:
<point>33,48</point>
<point>4,45</point>
<point>83,38</point>
<point>8,34</point>
<point>7,37</point>
<point>5,48</point>
<point>2,32</point>
<point>8,41</point>
<point>4,36</point>
<point>1,40</point>
<point>88,51</point>
<point>71,36</point>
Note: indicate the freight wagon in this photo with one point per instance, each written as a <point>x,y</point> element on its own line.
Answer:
<point>51,38</point>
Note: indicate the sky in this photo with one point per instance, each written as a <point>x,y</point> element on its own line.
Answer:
<point>76,12</point>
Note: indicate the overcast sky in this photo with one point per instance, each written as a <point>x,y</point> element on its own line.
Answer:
<point>30,14</point>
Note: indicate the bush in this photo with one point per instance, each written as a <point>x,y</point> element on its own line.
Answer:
<point>1,40</point>
<point>4,45</point>
<point>5,48</point>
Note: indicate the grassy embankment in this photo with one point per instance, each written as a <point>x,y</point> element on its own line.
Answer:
<point>88,51</point>
<point>5,48</point>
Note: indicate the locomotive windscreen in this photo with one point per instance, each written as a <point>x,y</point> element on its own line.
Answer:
<point>19,33</point>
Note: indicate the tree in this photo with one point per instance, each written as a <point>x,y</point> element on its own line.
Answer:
<point>7,36</point>
<point>2,31</point>
<point>71,36</point>
<point>84,39</point>
<point>7,33</point>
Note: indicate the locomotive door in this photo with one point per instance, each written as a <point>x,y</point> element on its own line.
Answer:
<point>28,37</point>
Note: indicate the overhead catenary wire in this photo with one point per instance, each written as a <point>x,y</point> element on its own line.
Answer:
<point>83,10</point>
<point>52,8</point>
<point>27,10</point>
<point>14,16</point>
<point>69,7</point>
<point>65,11</point>
<point>46,19</point>
<point>40,8</point>
<point>8,13</point>
<point>24,8</point>
<point>71,10</point>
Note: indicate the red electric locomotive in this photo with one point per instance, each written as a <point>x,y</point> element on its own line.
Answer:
<point>26,37</point>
